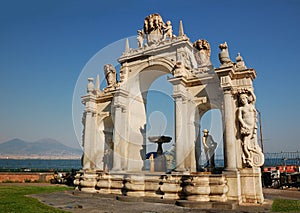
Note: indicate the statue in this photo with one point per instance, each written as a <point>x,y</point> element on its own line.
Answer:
<point>252,155</point>
<point>153,28</point>
<point>140,38</point>
<point>203,54</point>
<point>209,146</point>
<point>110,75</point>
<point>108,156</point>
<point>224,55</point>
<point>168,31</point>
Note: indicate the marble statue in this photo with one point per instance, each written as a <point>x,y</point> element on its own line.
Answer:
<point>110,75</point>
<point>203,54</point>
<point>168,31</point>
<point>140,38</point>
<point>153,28</point>
<point>224,55</point>
<point>108,156</point>
<point>209,146</point>
<point>248,129</point>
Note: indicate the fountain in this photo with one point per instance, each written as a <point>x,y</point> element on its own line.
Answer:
<point>160,160</point>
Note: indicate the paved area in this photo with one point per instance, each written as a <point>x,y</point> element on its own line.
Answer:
<point>74,201</point>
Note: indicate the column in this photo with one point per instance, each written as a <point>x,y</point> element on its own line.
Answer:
<point>179,135</point>
<point>117,162</point>
<point>89,140</point>
<point>229,145</point>
<point>198,146</point>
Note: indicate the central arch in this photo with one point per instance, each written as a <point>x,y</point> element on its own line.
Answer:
<point>137,86</point>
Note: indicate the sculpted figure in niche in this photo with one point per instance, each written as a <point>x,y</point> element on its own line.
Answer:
<point>108,156</point>
<point>252,155</point>
<point>203,54</point>
<point>209,146</point>
<point>110,75</point>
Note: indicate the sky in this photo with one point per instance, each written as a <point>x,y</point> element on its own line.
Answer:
<point>45,47</point>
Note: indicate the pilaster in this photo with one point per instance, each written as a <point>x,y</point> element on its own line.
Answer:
<point>120,111</point>
<point>89,134</point>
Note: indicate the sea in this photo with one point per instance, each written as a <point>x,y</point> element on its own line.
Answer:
<point>40,164</point>
<point>75,164</point>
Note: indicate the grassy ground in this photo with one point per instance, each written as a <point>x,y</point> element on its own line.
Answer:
<point>13,199</point>
<point>282,205</point>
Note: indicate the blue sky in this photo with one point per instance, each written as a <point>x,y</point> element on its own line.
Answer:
<point>44,46</point>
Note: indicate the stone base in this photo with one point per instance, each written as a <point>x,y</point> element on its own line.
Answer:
<point>251,185</point>
<point>234,186</point>
<point>199,187</point>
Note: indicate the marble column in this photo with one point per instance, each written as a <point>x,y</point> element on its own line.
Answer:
<point>198,146</point>
<point>229,145</point>
<point>179,134</point>
<point>89,138</point>
<point>118,152</point>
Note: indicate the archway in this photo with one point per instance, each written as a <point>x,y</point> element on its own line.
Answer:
<point>160,119</point>
<point>211,120</point>
<point>138,90</point>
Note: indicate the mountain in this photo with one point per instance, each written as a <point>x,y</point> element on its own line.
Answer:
<point>43,147</point>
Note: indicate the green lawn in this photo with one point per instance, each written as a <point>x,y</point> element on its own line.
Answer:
<point>13,199</point>
<point>282,205</point>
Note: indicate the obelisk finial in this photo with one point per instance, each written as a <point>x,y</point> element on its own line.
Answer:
<point>127,46</point>
<point>97,82</point>
<point>181,32</point>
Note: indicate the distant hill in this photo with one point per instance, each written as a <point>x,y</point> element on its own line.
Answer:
<point>43,147</point>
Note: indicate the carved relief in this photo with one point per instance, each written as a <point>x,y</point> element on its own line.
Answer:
<point>252,154</point>
<point>156,30</point>
<point>153,27</point>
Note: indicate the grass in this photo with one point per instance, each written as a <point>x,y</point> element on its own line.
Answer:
<point>13,199</point>
<point>282,205</point>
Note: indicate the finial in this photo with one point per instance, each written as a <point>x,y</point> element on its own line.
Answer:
<point>239,57</point>
<point>127,45</point>
<point>181,32</point>
<point>97,83</point>
<point>90,86</point>
<point>240,64</point>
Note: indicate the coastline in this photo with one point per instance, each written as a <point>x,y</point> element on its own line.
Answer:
<point>39,157</point>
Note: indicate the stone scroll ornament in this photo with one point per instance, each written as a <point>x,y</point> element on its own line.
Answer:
<point>252,155</point>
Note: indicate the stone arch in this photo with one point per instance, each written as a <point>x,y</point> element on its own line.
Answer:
<point>140,83</point>
<point>215,128</point>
